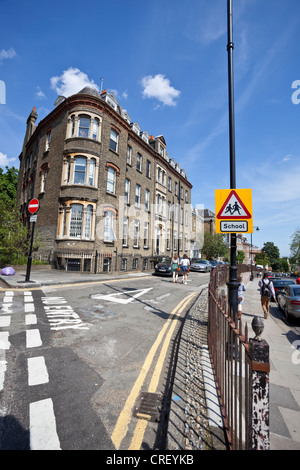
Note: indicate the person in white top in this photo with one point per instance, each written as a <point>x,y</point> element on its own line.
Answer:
<point>185,263</point>
<point>267,292</point>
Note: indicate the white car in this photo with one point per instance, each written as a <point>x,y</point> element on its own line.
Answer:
<point>201,265</point>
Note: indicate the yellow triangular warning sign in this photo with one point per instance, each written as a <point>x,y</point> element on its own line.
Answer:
<point>233,208</point>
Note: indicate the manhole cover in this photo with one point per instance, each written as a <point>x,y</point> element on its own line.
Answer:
<point>149,407</point>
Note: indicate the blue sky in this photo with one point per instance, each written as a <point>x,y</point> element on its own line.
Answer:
<point>166,61</point>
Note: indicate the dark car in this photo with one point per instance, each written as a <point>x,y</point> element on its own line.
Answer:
<point>289,302</point>
<point>164,267</point>
<point>280,284</point>
<point>213,263</point>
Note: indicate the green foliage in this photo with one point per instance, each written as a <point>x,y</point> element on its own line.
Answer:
<point>262,259</point>
<point>14,241</point>
<point>271,251</point>
<point>214,246</point>
<point>8,187</point>
<point>240,257</point>
<point>295,247</point>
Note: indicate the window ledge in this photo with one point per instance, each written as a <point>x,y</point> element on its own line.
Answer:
<point>113,151</point>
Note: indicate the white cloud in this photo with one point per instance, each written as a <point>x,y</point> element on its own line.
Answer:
<point>4,160</point>
<point>71,81</point>
<point>40,94</point>
<point>7,54</point>
<point>159,87</point>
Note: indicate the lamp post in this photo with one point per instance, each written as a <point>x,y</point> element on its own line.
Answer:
<point>233,283</point>
<point>251,254</point>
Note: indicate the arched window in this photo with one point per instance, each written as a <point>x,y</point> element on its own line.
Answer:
<point>84,126</point>
<point>76,220</point>
<point>80,170</point>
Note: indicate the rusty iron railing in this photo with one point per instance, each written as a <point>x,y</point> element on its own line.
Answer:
<point>241,368</point>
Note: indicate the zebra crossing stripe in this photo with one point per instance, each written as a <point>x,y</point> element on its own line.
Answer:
<point>43,434</point>
<point>33,339</point>
<point>37,371</point>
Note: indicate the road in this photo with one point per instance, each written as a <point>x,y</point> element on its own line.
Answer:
<point>77,363</point>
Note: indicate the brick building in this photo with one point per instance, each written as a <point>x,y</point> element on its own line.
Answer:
<point>111,198</point>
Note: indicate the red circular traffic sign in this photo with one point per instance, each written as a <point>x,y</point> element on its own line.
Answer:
<point>33,206</point>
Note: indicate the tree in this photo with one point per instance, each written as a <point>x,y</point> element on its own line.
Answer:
<point>271,251</point>
<point>261,259</point>
<point>240,256</point>
<point>214,245</point>
<point>295,247</point>
<point>8,187</point>
<point>14,242</point>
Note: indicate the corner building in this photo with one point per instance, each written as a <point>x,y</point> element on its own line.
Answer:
<point>111,198</point>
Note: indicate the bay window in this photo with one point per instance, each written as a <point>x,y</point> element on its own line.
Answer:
<point>76,219</point>
<point>80,169</point>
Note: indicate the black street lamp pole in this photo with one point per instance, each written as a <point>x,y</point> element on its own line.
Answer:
<point>251,256</point>
<point>233,283</point>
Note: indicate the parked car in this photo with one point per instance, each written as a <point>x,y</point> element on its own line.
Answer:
<point>201,265</point>
<point>213,263</point>
<point>280,284</point>
<point>289,302</point>
<point>163,267</point>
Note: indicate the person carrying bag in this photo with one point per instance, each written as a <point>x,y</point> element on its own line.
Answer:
<point>266,292</point>
<point>175,267</point>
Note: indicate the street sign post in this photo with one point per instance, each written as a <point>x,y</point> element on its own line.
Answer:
<point>233,211</point>
<point>33,207</point>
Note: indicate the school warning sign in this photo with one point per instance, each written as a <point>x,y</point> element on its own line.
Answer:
<point>233,209</point>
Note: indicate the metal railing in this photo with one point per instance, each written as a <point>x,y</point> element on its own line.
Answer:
<point>241,368</point>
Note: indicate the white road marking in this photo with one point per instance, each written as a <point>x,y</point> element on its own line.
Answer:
<point>43,433</point>
<point>5,320</point>
<point>3,365</point>
<point>29,307</point>
<point>6,308</point>
<point>33,339</point>
<point>129,296</point>
<point>37,371</point>
<point>30,319</point>
<point>4,342</point>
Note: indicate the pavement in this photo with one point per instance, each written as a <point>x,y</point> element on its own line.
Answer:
<point>195,420</point>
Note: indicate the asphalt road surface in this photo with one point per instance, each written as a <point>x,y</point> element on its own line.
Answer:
<point>77,361</point>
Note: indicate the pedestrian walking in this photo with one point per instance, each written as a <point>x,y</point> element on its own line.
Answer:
<point>241,291</point>
<point>185,263</point>
<point>266,292</point>
<point>175,267</point>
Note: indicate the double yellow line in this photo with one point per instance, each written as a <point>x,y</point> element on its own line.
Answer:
<point>124,419</point>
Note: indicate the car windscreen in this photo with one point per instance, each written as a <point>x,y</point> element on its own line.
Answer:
<point>296,291</point>
<point>282,283</point>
